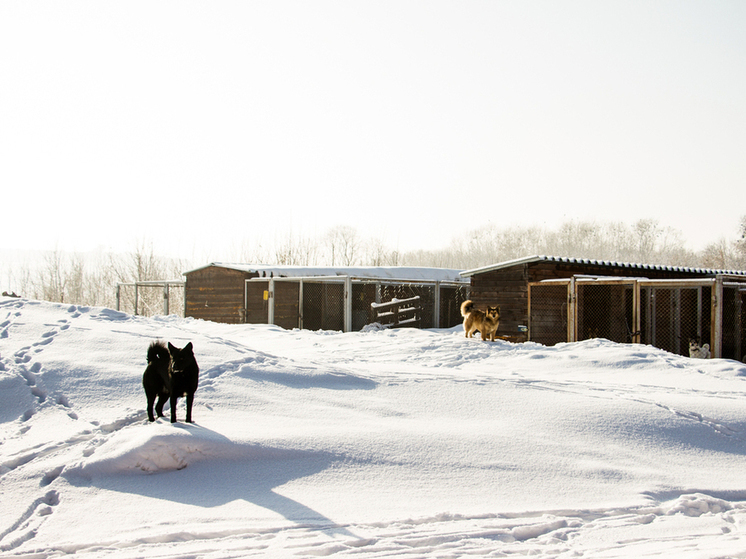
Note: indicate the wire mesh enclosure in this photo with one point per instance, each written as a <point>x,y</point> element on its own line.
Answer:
<point>673,315</point>
<point>606,310</point>
<point>345,303</point>
<point>323,306</point>
<point>664,313</point>
<point>734,322</point>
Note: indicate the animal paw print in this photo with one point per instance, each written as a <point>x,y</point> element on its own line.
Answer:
<point>29,523</point>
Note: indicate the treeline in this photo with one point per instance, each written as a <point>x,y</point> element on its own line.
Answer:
<point>86,280</point>
<point>91,280</point>
<point>644,241</point>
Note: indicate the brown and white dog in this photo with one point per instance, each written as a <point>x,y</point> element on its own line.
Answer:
<point>484,322</point>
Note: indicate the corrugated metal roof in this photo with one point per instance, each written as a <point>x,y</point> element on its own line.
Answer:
<point>605,263</point>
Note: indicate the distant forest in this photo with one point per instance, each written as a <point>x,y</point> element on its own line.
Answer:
<point>85,280</point>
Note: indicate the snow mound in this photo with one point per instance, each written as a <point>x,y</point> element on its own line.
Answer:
<point>697,504</point>
<point>154,448</point>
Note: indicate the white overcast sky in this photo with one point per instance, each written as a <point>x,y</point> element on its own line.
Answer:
<point>200,125</point>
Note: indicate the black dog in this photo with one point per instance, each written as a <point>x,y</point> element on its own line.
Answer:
<point>184,378</point>
<point>173,373</point>
<point>156,380</point>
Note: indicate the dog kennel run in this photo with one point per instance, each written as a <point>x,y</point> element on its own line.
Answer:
<point>663,313</point>
<point>348,303</point>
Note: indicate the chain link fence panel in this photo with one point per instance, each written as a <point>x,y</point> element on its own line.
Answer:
<point>605,310</point>
<point>734,323</point>
<point>674,316</point>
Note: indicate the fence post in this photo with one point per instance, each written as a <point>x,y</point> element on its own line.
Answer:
<point>636,337</point>
<point>119,285</point>
<point>717,318</point>
<point>739,321</point>
<point>165,299</point>
<point>300,304</point>
<point>136,298</point>
<point>271,301</point>
<point>348,304</point>
<point>699,314</point>
<point>572,314</point>
<point>436,306</point>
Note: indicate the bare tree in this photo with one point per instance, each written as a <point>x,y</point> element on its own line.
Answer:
<point>647,232</point>
<point>296,251</point>
<point>53,278</point>
<point>343,244</point>
<point>740,245</point>
<point>143,265</point>
<point>718,255</point>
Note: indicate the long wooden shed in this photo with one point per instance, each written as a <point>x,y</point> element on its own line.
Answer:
<point>328,298</point>
<point>551,299</point>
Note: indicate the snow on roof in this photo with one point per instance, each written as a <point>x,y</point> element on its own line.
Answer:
<point>376,272</point>
<point>607,263</point>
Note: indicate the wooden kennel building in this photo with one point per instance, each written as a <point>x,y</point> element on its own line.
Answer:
<point>550,300</point>
<point>325,298</point>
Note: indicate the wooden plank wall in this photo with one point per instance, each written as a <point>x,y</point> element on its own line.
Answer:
<point>508,289</point>
<point>216,294</point>
<point>450,305</point>
<point>549,313</point>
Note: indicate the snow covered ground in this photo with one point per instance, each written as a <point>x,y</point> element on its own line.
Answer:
<point>408,443</point>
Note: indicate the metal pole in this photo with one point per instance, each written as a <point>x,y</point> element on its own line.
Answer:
<point>717,318</point>
<point>271,301</point>
<point>572,311</point>
<point>348,304</point>
<point>652,316</point>
<point>699,315</point>
<point>300,305</point>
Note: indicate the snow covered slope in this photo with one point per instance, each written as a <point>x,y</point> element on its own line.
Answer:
<point>376,444</point>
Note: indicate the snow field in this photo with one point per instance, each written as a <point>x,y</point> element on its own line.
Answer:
<point>376,444</point>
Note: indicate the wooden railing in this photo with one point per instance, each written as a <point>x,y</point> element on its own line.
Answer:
<point>397,313</point>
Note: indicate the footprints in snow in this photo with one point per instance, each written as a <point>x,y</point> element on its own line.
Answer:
<point>51,475</point>
<point>28,525</point>
<point>30,521</point>
<point>32,371</point>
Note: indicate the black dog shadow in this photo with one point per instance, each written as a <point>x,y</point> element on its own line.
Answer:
<point>251,473</point>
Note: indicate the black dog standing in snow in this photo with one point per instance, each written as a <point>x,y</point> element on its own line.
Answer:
<point>184,378</point>
<point>171,373</point>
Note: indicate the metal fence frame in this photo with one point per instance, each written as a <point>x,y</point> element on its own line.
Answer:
<point>348,282</point>
<point>165,285</point>
<point>641,289</point>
